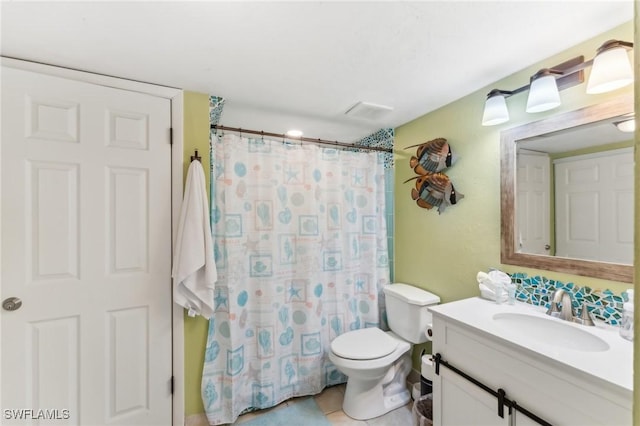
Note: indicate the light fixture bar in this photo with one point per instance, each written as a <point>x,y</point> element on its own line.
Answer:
<point>569,73</point>
<point>610,70</point>
<point>572,72</point>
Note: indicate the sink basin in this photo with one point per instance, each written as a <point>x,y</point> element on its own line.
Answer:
<point>550,331</point>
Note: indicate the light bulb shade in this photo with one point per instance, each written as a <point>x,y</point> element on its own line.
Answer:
<point>495,111</point>
<point>611,70</point>
<point>627,126</point>
<point>543,94</point>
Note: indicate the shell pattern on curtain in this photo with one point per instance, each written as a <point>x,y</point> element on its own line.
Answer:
<point>301,250</point>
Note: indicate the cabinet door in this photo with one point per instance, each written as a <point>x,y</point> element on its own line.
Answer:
<point>458,402</point>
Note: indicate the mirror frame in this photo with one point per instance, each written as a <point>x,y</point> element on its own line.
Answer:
<point>508,138</point>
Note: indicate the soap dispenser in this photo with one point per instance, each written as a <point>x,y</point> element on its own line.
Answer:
<point>626,324</point>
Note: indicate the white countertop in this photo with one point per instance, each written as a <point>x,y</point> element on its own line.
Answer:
<point>614,365</point>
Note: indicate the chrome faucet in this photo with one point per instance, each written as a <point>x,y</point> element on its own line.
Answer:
<point>566,312</point>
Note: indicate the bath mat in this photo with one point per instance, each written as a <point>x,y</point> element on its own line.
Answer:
<point>305,412</point>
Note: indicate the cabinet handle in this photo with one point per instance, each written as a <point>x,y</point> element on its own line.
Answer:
<point>501,395</point>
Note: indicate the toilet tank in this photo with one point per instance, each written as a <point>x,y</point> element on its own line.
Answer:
<point>407,312</point>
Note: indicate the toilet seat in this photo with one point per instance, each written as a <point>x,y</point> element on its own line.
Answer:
<point>364,344</point>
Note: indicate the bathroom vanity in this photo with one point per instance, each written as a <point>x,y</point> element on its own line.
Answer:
<point>515,365</point>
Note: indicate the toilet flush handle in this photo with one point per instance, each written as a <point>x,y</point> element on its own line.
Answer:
<point>429,332</point>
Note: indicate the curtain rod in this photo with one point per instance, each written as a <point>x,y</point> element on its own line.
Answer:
<point>301,139</point>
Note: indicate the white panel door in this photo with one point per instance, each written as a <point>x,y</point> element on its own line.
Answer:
<point>594,206</point>
<point>533,210</point>
<point>86,246</point>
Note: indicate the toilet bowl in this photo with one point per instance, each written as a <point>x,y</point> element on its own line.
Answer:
<point>376,378</point>
<point>376,362</point>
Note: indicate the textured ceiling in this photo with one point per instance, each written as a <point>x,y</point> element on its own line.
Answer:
<point>303,64</point>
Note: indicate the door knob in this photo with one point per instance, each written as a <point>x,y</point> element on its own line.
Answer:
<point>547,246</point>
<point>11,304</point>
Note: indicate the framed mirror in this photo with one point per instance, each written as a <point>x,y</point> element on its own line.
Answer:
<point>567,193</point>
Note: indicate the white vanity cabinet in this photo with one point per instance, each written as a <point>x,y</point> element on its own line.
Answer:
<point>540,377</point>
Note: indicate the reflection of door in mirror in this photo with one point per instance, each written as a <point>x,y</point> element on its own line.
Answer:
<point>590,131</point>
<point>533,233</point>
<point>594,206</point>
<point>574,194</point>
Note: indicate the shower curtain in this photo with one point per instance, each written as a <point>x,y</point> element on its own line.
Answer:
<point>301,248</point>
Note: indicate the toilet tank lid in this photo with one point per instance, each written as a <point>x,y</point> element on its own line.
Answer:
<point>411,294</point>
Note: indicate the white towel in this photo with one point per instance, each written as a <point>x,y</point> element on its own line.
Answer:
<point>489,282</point>
<point>194,269</point>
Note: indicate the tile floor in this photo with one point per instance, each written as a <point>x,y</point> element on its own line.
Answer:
<point>330,403</point>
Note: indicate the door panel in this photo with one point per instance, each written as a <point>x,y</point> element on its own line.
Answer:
<point>533,228</point>
<point>594,206</point>
<point>54,225</point>
<point>53,363</point>
<point>86,245</point>
<point>128,213</point>
<point>128,361</point>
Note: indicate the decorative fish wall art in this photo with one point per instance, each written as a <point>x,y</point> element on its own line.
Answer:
<point>433,156</point>
<point>433,188</point>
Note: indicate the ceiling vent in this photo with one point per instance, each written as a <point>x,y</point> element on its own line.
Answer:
<point>368,111</point>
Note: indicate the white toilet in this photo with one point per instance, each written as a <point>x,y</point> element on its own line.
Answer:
<point>377,363</point>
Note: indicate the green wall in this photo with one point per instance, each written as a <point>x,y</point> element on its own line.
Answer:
<point>442,253</point>
<point>196,135</point>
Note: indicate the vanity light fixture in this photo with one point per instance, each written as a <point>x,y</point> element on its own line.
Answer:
<point>610,70</point>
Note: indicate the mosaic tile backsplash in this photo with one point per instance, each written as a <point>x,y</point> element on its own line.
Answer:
<point>605,305</point>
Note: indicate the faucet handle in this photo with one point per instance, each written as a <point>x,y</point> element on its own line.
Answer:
<point>585,318</point>
<point>553,306</point>
<point>553,310</point>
